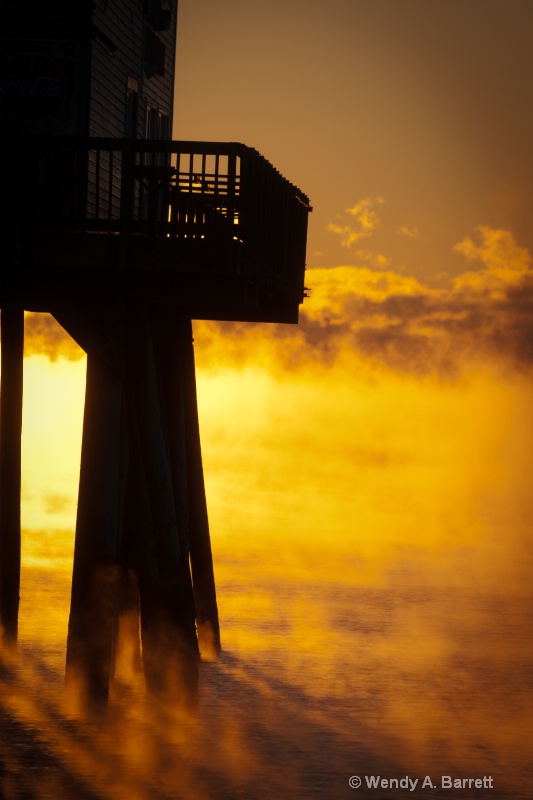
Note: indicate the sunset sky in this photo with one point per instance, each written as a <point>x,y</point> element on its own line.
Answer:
<point>396,416</point>
<point>415,115</point>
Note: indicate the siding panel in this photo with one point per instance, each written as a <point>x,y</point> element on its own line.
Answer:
<point>123,23</point>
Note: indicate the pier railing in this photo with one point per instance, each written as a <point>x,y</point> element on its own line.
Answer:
<point>219,201</point>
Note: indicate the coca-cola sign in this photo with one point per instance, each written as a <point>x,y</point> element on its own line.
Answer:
<point>33,87</point>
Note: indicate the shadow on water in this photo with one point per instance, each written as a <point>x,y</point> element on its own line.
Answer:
<point>248,741</point>
<point>254,737</point>
<point>315,684</point>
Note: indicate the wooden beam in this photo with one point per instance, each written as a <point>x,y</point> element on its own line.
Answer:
<point>12,333</point>
<point>94,329</point>
<point>177,387</point>
<point>96,573</point>
<point>168,633</point>
<point>203,576</point>
<point>168,344</point>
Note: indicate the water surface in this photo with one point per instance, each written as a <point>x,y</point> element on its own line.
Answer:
<point>402,677</point>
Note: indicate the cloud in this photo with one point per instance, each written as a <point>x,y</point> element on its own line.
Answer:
<point>361,222</point>
<point>376,260</point>
<point>411,233</point>
<point>505,263</point>
<point>367,319</point>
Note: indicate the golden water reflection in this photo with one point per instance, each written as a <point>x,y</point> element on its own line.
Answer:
<point>319,680</point>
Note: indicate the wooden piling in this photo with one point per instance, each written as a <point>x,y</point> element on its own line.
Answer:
<point>203,576</point>
<point>168,345</point>
<point>168,633</point>
<point>12,333</point>
<point>177,386</point>
<point>96,573</point>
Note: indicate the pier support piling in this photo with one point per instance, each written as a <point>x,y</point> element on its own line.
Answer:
<point>200,542</point>
<point>96,572</point>
<point>12,339</point>
<point>168,632</point>
<point>142,510</point>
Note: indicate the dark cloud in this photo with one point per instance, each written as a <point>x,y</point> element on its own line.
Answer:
<point>425,332</point>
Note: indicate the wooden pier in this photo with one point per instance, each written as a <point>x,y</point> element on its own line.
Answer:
<point>220,236</point>
<point>124,236</point>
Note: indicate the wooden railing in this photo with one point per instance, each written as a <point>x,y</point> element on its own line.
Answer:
<point>204,194</point>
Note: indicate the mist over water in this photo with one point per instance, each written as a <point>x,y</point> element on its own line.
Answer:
<point>319,680</point>
<point>371,533</point>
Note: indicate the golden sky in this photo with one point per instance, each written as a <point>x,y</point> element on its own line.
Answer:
<point>420,110</point>
<point>398,412</point>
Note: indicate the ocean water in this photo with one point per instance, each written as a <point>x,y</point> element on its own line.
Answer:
<point>397,680</point>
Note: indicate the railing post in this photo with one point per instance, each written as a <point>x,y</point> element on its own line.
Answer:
<point>126,200</point>
<point>232,179</point>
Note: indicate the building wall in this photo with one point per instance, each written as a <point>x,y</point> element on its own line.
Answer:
<point>127,60</point>
<point>44,66</point>
<point>92,58</point>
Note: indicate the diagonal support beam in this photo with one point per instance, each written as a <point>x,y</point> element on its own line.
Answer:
<point>177,388</point>
<point>203,576</point>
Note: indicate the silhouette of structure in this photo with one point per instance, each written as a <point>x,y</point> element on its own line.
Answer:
<point>124,236</point>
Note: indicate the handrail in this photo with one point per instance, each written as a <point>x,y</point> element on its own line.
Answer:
<point>223,196</point>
